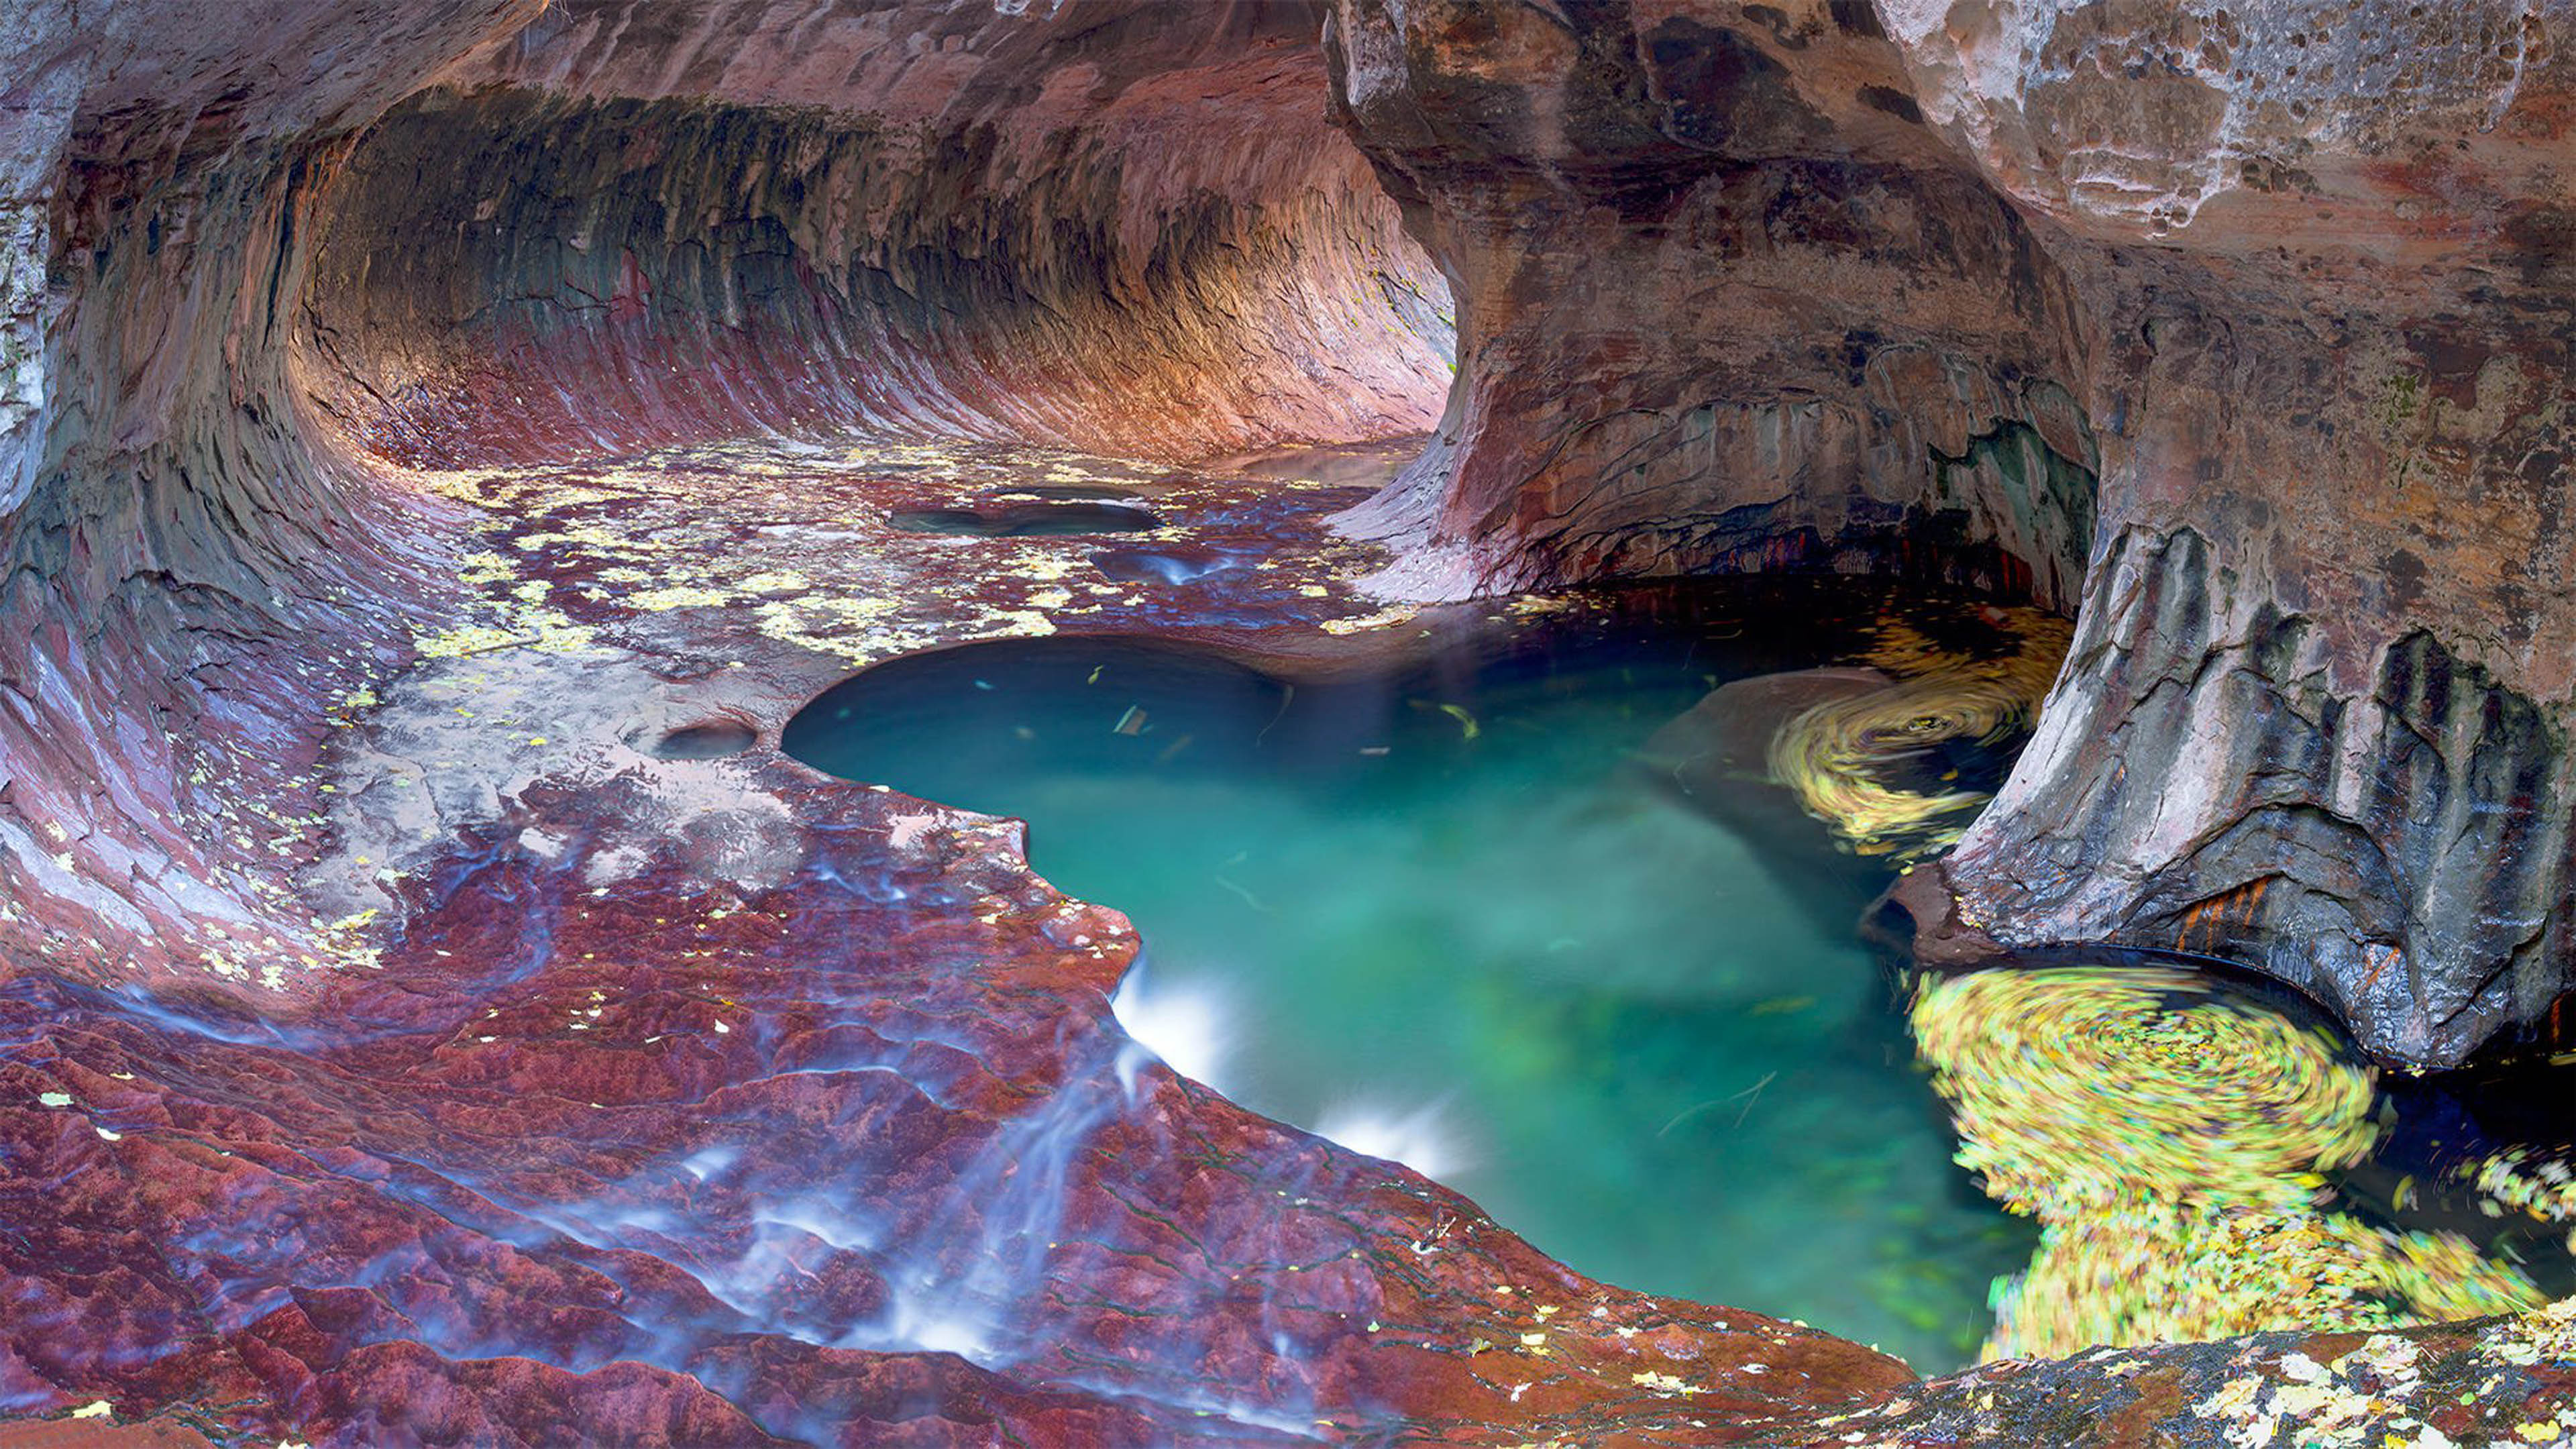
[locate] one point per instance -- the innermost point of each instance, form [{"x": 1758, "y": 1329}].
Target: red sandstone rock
[{"x": 707, "y": 1101}]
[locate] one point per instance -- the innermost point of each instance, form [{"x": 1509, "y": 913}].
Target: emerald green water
[{"x": 1440, "y": 911}]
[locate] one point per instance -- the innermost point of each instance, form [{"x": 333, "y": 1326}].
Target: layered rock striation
[
  {"x": 2244, "y": 328},
  {"x": 239, "y": 295},
  {"x": 432, "y": 1010},
  {"x": 630, "y": 224},
  {"x": 187, "y": 580},
  {"x": 338, "y": 1103}
]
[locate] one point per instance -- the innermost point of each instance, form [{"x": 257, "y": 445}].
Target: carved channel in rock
[
  {"x": 510, "y": 275},
  {"x": 396, "y": 1045}
]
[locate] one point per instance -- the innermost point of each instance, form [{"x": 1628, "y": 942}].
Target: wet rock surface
[
  {"x": 333, "y": 801},
  {"x": 707, "y": 1165},
  {"x": 702, "y": 1100}
]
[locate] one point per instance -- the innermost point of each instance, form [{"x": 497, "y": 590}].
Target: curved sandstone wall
[
  {"x": 186, "y": 584},
  {"x": 632, "y": 225},
  {"x": 2330, "y": 245},
  {"x": 237, "y": 283},
  {"x": 2247, "y": 324},
  {"x": 1723, "y": 304}
]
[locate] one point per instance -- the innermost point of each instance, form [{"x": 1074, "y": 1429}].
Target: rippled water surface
[{"x": 1511, "y": 912}]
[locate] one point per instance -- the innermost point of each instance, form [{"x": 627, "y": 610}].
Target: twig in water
[
  {"x": 1249, "y": 898},
  {"x": 1285, "y": 698},
  {"x": 1749, "y": 1096}
]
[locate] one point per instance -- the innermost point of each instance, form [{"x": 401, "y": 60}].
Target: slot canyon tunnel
[{"x": 443, "y": 443}]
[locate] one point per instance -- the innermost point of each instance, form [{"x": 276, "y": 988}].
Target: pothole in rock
[
  {"x": 1028, "y": 520},
  {"x": 1542, "y": 907},
  {"x": 1076, "y": 492},
  {"x": 1168, "y": 565},
  {"x": 1443, "y": 908},
  {"x": 711, "y": 739}
]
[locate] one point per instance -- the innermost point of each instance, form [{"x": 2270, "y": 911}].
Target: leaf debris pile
[
  {"x": 2170, "y": 1143},
  {"x": 1849, "y": 760}
]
